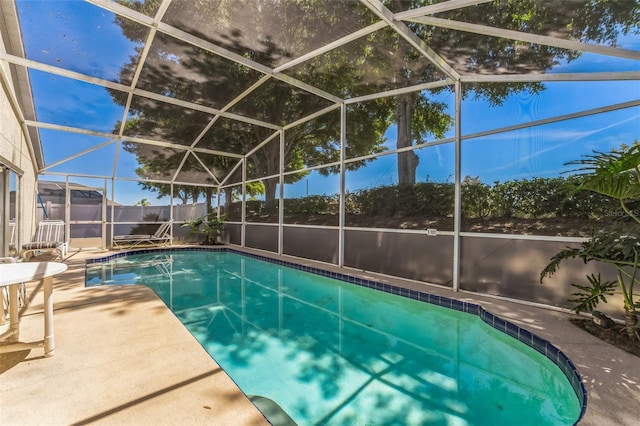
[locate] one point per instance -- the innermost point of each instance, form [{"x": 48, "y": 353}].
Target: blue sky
[{"x": 57, "y": 36}]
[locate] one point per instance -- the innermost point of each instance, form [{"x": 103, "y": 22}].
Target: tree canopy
[
  {"x": 274, "y": 33},
  {"x": 177, "y": 69}
]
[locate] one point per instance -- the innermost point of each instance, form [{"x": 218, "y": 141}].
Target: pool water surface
[{"x": 328, "y": 352}]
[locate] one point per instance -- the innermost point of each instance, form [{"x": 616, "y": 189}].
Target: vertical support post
[
  {"x": 5, "y": 190},
  {"x": 113, "y": 211},
  {"x": 457, "y": 215},
  {"x": 103, "y": 224},
  {"x": 343, "y": 138},
  {"x": 34, "y": 211},
  {"x": 171, "y": 215},
  {"x": 113, "y": 186},
  {"x": 67, "y": 213},
  {"x": 5, "y": 234},
  {"x": 243, "y": 214},
  {"x": 281, "y": 195},
  {"x": 19, "y": 209},
  {"x": 224, "y": 238}
]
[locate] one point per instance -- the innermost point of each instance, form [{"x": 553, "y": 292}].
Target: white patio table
[{"x": 12, "y": 275}]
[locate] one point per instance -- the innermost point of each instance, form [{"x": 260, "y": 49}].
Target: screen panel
[
  {"x": 414, "y": 256},
  {"x": 312, "y": 198},
  {"x": 511, "y": 268},
  {"x": 376, "y": 199},
  {"x": 324, "y": 249},
  {"x": 262, "y": 237},
  {"x": 516, "y": 182}
]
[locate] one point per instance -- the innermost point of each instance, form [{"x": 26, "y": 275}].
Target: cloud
[{"x": 568, "y": 136}]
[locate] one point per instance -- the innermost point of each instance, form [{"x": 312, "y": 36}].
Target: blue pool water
[{"x": 334, "y": 353}]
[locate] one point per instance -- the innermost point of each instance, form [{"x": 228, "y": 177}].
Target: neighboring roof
[{"x": 55, "y": 192}]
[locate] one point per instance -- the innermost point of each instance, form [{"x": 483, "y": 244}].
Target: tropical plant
[
  {"x": 615, "y": 175},
  {"x": 210, "y": 225}
]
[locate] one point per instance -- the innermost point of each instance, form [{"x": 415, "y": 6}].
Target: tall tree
[
  {"x": 415, "y": 116},
  {"x": 269, "y": 33}
]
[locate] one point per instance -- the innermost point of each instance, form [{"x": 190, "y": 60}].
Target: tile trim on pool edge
[{"x": 541, "y": 345}]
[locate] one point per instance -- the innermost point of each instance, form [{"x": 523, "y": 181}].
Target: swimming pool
[{"x": 326, "y": 351}]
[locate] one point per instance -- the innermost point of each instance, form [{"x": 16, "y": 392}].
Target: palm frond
[
  {"x": 554, "y": 263},
  {"x": 621, "y": 161},
  {"x": 594, "y": 293},
  {"x": 620, "y": 186},
  {"x": 614, "y": 174}
]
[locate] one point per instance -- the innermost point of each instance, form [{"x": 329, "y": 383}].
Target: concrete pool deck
[{"x": 122, "y": 358}]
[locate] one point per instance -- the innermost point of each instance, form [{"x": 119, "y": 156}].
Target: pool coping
[{"x": 523, "y": 335}]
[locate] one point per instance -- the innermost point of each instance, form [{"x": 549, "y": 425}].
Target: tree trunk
[
  {"x": 270, "y": 186},
  {"x": 228, "y": 203},
  {"x": 631, "y": 324},
  {"x": 195, "y": 195},
  {"x": 207, "y": 199},
  {"x": 408, "y": 160},
  {"x": 267, "y": 163}
]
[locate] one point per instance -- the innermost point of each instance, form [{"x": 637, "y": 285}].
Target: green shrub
[
  {"x": 312, "y": 204},
  {"x": 520, "y": 198},
  {"x": 476, "y": 198},
  {"x": 423, "y": 199}
]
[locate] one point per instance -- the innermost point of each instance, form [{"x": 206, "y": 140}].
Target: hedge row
[{"x": 526, "y": 198}]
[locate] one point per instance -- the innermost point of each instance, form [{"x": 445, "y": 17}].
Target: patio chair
[
  {"x": 49, "y": 237},
  {"x": 161, "y": 236}
]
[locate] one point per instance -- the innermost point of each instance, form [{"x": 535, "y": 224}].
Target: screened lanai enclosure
[{"x": 420, "y": 139}]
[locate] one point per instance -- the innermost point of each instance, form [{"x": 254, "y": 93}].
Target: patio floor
[{"x": 122, "y": 357}]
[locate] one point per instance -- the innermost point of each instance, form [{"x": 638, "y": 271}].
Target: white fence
[{"x": 125, "y": 218}]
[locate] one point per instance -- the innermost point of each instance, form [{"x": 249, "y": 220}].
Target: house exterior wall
[{"x": 15, "y": 149}]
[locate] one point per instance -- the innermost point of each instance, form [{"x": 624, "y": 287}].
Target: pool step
[{"x": 272, "y": 411}]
